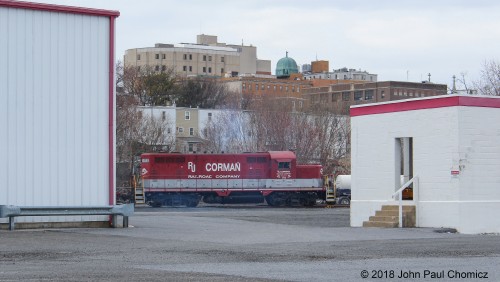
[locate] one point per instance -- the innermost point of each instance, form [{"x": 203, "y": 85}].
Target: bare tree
[
  {"x": 228, "y": 132},
  {"x": 153, "y": 133},
  {"x": 201, "y": 92},
  {"x": 153, "y": 87},
  {"x": 489, "y": 82},
  {"x": 128, "y": 121},
  {"x": 317, "y": 136}
]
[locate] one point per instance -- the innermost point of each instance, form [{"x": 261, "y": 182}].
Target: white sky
[{"x": 397, "y": 39}]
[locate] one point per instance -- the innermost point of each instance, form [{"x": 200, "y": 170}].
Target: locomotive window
[
  {"x": 170, "y": 159},
  {"x": 284, "y": 165},
  {"x": 256, "y": 160}
]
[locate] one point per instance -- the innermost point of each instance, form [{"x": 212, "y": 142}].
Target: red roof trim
[
  {"x": 58, "y": 8},
  {"x": 421, "y": 104}
]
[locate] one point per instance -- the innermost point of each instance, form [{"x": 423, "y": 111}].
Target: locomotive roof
[
  {"x": 272, "y": 154},
  {"x": 282, "y": 155}
]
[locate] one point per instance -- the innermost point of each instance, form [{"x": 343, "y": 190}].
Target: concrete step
[
  {"x": 383, "y": 224},
  {"x": 396, "y": 208},
  {"x": 385, "y": 218},
  {"x": 387, "y": 213},
  {"x": 388, "y": 217}
]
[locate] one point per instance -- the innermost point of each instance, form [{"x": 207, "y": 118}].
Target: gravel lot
[{"x": 245, "y": 243}]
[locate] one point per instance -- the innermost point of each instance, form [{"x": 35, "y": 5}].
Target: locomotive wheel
[
  {"x": 345, "y": 201},
  {"x": 276, "y": 199}
]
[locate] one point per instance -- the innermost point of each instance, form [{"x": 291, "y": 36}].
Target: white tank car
[{"x": 343, "y": 182}]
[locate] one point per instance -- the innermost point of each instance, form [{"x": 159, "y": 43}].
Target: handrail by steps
[{"x": 399, "y": 192}]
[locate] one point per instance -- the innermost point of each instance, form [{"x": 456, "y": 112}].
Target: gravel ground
[{"x": 246, "y": 243}]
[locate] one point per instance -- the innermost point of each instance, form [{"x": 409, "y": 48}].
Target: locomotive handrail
[
  {"x": 11, "y": 212},
  {"x": 399, "y": 193}
]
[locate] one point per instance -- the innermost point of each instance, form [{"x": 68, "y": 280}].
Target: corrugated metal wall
[{"x": 54, "y": 97}]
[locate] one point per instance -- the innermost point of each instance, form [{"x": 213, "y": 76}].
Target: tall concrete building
[{"x": 206, "y": 57}]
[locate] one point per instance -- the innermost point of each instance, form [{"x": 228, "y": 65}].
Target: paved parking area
[{"x": 246, "y": 243}]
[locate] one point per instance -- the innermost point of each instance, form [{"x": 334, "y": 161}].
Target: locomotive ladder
[
  {"x": 138, "y": 192},
  {"x": 330, "y": 191}
]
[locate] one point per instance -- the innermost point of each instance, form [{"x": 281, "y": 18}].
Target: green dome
[{"x": 285, "y": 67}]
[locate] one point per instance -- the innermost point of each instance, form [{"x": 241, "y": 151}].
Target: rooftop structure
[
  {"x": 206, "y": 57},
  {"x": 285, "y": 67}
]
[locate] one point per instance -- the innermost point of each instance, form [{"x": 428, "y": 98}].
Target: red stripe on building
[{"x": 421, "y": 104}]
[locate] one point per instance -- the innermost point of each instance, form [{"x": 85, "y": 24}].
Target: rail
[
  {"x": 399, "y": 192},
  {"x": 14, "y": 211}
]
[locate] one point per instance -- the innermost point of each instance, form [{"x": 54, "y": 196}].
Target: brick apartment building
[{"x": 340, "y": 97}]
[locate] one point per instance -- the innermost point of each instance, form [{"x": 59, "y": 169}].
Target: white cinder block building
[
  {"x": 57, "y": 110},
  {"x": 454, "y": 149}
]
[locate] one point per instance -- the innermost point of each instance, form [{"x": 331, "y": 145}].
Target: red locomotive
[{"x": 185, "y": 179}]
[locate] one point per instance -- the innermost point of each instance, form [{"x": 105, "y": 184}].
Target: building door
[{"x": 403, "y": 164}]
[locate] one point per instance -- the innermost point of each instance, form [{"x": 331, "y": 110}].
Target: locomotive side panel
[{"x": 222, "y": 177}]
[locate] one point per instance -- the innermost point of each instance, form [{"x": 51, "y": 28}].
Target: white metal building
[
  {"x": 454, "y": 152},
  {"x": 57, "y": 109}
]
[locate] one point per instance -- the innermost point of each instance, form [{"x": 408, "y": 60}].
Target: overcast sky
[{"x": 398, "y": 40}]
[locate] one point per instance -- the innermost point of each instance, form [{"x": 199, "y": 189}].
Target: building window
[
  {"x": 180, "y": 129},
  {"x": 190, "y": 56},
  {"x": 346, "y": 96},
  {"x": 185, "y": 56},
  {"x": 368, "y": 94},
  {"x": 358, "y": 95},
  {"x": 190, "y": 147},
  {"x": 138, "y": 57},
  {"x": 382, "y": 94},
  {"x": 157, "y": 56},
  {"x": 163, "y": 68},
  {"x": 187, "y": 115},
  {"x": 204, "y": 57},
  {"x": 138, "y": 68},
  {"x": 262, "y": 87},
  {"x": 209, "y": 69},
  {"x": 286, "y": 89},
  {"x": 281, "y": 87},
  {"x": 256, "y": 86},
  {"x": 184, "y": 68},
  {"x": 293, "y": 88},
  {"x": 163, "y": 56},
  {"x": 274, "y": 87},
  {"x": 221, "y": 70},
  {"x": 157, "y": 68},
  {"x": 209, "y": 58},
  {"x": 191, "y": 131},
  {"x": 209, "y": 116},
  {"x": 163, "y": 115},
  {"x": 268, "y": 87},
  {"x": 190, "y": 68},
  {"x": 169, "y": 130},
  {"x": 222, "y": 59},
  {"x": 249, "y": 86},
  {"x": 204, "y": 69},
  {"x": 244, "y": 86}
]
